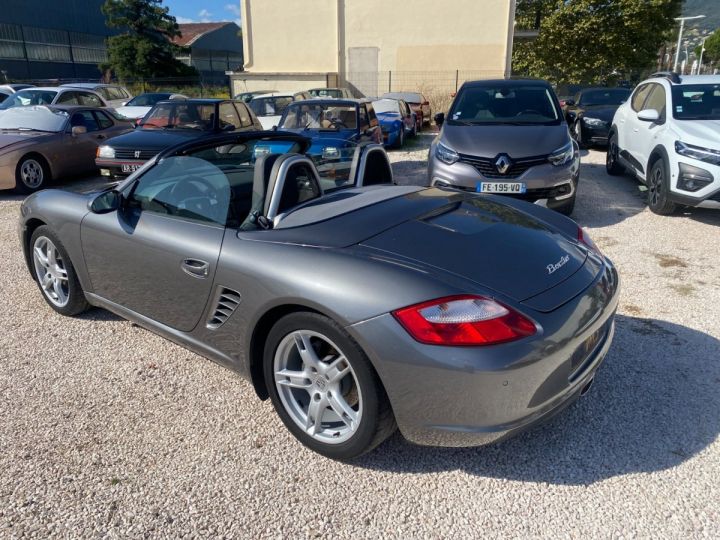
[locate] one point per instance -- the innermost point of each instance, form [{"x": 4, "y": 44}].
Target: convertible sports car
[{"x": 462, "y": 318}]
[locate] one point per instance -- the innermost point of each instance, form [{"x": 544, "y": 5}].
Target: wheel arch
[
  {"x": 35, "y": 154},
  {"x": 31, "y": 225},
  {"x": 659, "y": 152}
]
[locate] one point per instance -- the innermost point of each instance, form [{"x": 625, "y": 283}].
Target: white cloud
[
  {"x": 204, "y": 15},
  {"x": 233, "y": 8},
  {"x": 184, "y": 20}
]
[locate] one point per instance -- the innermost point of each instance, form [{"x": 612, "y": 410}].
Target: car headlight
[
  {"x": 593, "y": 122},
  {"x": 445, "y": 154},
  {"x": 330, "y": 152},
  {"x": 708, "y": 155},
  {"x": 106, "y": 152},
  {"x": 562, "y": 155}
]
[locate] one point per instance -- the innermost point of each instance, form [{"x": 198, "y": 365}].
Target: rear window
[
  {"x": 505, "y": 104},
  {"x": 270, "y": 106}
]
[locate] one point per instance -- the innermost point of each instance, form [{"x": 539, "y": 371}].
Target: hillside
[{"x": 709, "y": 8}]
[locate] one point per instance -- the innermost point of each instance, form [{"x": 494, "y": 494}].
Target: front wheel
[
  {"x": 659, "y": 190},
  {"x": 612, "y": 158},
  {"x": 578, "y": 134},
  {"x": 324, "y": 388}
]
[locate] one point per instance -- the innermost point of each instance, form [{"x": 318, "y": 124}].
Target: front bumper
[
  {"x": 390, "y": 138},
  {"x": 708, "y": 196},
  {"x": 596, "y": 133},
  {"x": 469, "y": 396},
  {"x": 115, "y": 166}
]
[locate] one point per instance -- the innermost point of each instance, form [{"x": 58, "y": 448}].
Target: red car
[{"x": 418, "y": 103}]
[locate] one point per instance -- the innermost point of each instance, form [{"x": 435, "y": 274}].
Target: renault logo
[
  {"x": 503, "y": 163},
  {"x": 137, "y": 155}
]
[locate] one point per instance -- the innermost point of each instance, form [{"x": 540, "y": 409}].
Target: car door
[
  {"x": 78, "y": 153},
  {"x": 370, "y": 126},
  {"x": 647, "y": 132},
  {"x": 631, "y": 126},
  {"x": 157, "y": 255}
]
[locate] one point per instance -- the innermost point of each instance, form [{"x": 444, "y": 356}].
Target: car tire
[
  {"x": 401, "y": 138},
  {"x": 299, "y": 352},
  {"x": 421, "y": 122},
  {"x": 31, "y": 174},
  {"x": 578, "y": 133},
  {"x": 659, "y": 188},
  {"x": 612, "y": 158},
  {"x": 414, "y": 131},
  {"x": 55, "y": 274}
]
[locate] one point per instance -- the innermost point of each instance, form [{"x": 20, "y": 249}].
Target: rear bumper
[{"x": 478, "y": 395}]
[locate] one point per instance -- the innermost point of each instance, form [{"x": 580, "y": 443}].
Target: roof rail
[{"x": 669, "y": 75}]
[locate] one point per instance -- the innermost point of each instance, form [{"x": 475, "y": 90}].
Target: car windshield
[
  {"x": 604, "y": 96},
  {"x": 23, "y": 98},
  {"x": 270, "y": 106},
  {"x": 321, "y": 116},
  {"x": 326, "y": 92},
  {"x": 506, "y": 104},
  {"x": 34, "y": 119},
  {"x": 386, "y": 106},
  {"x": 181, "y": 115},
  {"x": 147, "y": 100},
  {"x": 696, "y": 101},
  {"x": 410, "y": 97}
]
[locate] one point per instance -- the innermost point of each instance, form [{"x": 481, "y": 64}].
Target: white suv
[{"x": 668, "y": 135}]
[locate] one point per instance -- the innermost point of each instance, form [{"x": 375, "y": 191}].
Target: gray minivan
[{"x": 507, "y": 137}]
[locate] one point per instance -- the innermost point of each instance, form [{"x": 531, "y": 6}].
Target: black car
[
  {"x": 169, "y": 123},
  {"x": 590, "y": 112}
]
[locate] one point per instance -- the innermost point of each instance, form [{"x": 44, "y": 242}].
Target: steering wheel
[
  {"x": 337, "y": 122},
  {"x": 193, "y": 187},
  {"x": 528, "y": 111}
]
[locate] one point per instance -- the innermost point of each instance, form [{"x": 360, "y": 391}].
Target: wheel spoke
[
  {"x": 341, "y": 407},
  {"x": 293, "y": 379},
  {"x": 305, "y": 348},
  {"x": 47, "y": 280},
  {"x": 316, "y": 409},
  {"x": 337, "y": 370},
  {"x": 51, "y": 256},
  {"x": 41, "y": 257},
  {"x": 57, "y": 287}
]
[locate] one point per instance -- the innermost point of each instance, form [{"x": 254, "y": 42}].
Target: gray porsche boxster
[{"x": 354, "y": 304}]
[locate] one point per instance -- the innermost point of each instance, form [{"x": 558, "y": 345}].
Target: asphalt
[{"x": 109, "y": 431}]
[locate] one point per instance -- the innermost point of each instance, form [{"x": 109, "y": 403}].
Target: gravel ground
[{"x": 110, "y": 431}]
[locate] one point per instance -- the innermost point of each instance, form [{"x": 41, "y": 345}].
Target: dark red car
[{"x": 418, "y": 103}]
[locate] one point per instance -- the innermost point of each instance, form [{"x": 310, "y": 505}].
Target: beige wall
[
  {"x": 290, "y": 35},
  {"x": 282, "y": 82}
]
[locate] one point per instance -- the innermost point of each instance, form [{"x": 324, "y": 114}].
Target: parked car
[
  {"x": 42, "y": 143},
  {"x": 269, "y": 107},
  {"x": 590, "y": 112},
  {"x": 114, "y": 95},
  {"x": 140, "y": 105},
  {"x": 169, "y": 123},
  {"x": 461, "y": 318},
  {"x": 334, "y": 125},
  {"x": 247, "y": 96},
  {"x": 335, "y": 93},
  {"x": 507, "y": 137},
  {"x": 53, "y": 96},
  {"x": 6, "y": 90},
  {"x": 418, "y": 103},
  {"x": 396, "y": 120},
  {"x": 668, "y": 135}
]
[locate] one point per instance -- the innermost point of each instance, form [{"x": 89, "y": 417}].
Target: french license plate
[
  {"x": 130, "y": 168},
  {"x": 501, "y": 187}
]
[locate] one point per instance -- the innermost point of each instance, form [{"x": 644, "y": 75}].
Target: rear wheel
[
  {"x": 612, "y": 163},
  {"x": 659, "y": 189},
  {"x": 324, "y": 388},
  {"x": 401, "y": 137},
  {"x": 414, "y": 131},
  {"x": 31, "y": 174}
]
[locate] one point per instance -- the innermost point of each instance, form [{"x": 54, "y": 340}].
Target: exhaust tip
[{"x": 586, "y": 388}]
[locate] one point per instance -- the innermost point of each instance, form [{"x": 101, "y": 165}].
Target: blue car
[{"x": 397, "y": 121}]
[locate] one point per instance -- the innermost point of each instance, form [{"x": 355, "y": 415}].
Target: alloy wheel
[
  {"x": 611, "y": 155},
  {"x": 50, "y": 271},
  {"x": 317, "y": 386},
  {"x": 656, "y": 186},
  {"x": 31, "y": 173}
]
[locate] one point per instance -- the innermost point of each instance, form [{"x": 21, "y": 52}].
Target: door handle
[{"x": 195, "y": 268}]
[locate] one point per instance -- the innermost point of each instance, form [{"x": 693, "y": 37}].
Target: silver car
[
  {"x": 113, "y": 94},
  {"x": 507, "y": 137},
  {"x": 53, "y": 95}
]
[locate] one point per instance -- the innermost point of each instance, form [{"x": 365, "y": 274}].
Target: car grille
[
  {"x": 486, "y": 166},
  {"x": 130, "y": 154}
]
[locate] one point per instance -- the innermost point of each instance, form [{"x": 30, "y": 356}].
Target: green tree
[
  {"x": 590, "y": 41},
  {"x": 144, "y": 49},
  {"x": 712, "y": 48}
]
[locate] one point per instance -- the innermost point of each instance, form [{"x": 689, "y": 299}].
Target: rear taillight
[
  {"x": 464, "y": 321},
  {"x": 584, "y": 238}
]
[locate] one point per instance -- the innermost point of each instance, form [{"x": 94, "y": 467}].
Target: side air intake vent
[{"x": 226, "y": 303}]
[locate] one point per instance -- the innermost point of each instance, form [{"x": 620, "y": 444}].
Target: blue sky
[{"x": 186, "y": 11}]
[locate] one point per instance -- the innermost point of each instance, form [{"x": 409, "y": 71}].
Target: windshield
[
  {"x": 326, "y": 92},
  {"x": 147, "y": 100},
  {"x": 696, "y": 101},
  {"x": 511, "y": 105},
  {"x": 322, "y": 116},
  {"x": 410, "y": 97},
  {"x": 34, "y": 119},
  {"x": 604, "y": 96},
  {"x": 182, "y": 115},
  {"x": 29, "y": 97},
  {"x": 386, "y": 106},
  {"x": 270, "y": 106}
]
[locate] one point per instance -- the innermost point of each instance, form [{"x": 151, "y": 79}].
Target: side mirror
[
  {"x": 78, "y": 130},
  {"x": 569, "y": 102},
  {"x": 439, "y": 118},
  {"x": 648, "y": 115},
  {"x": 105, "y": 202}
]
